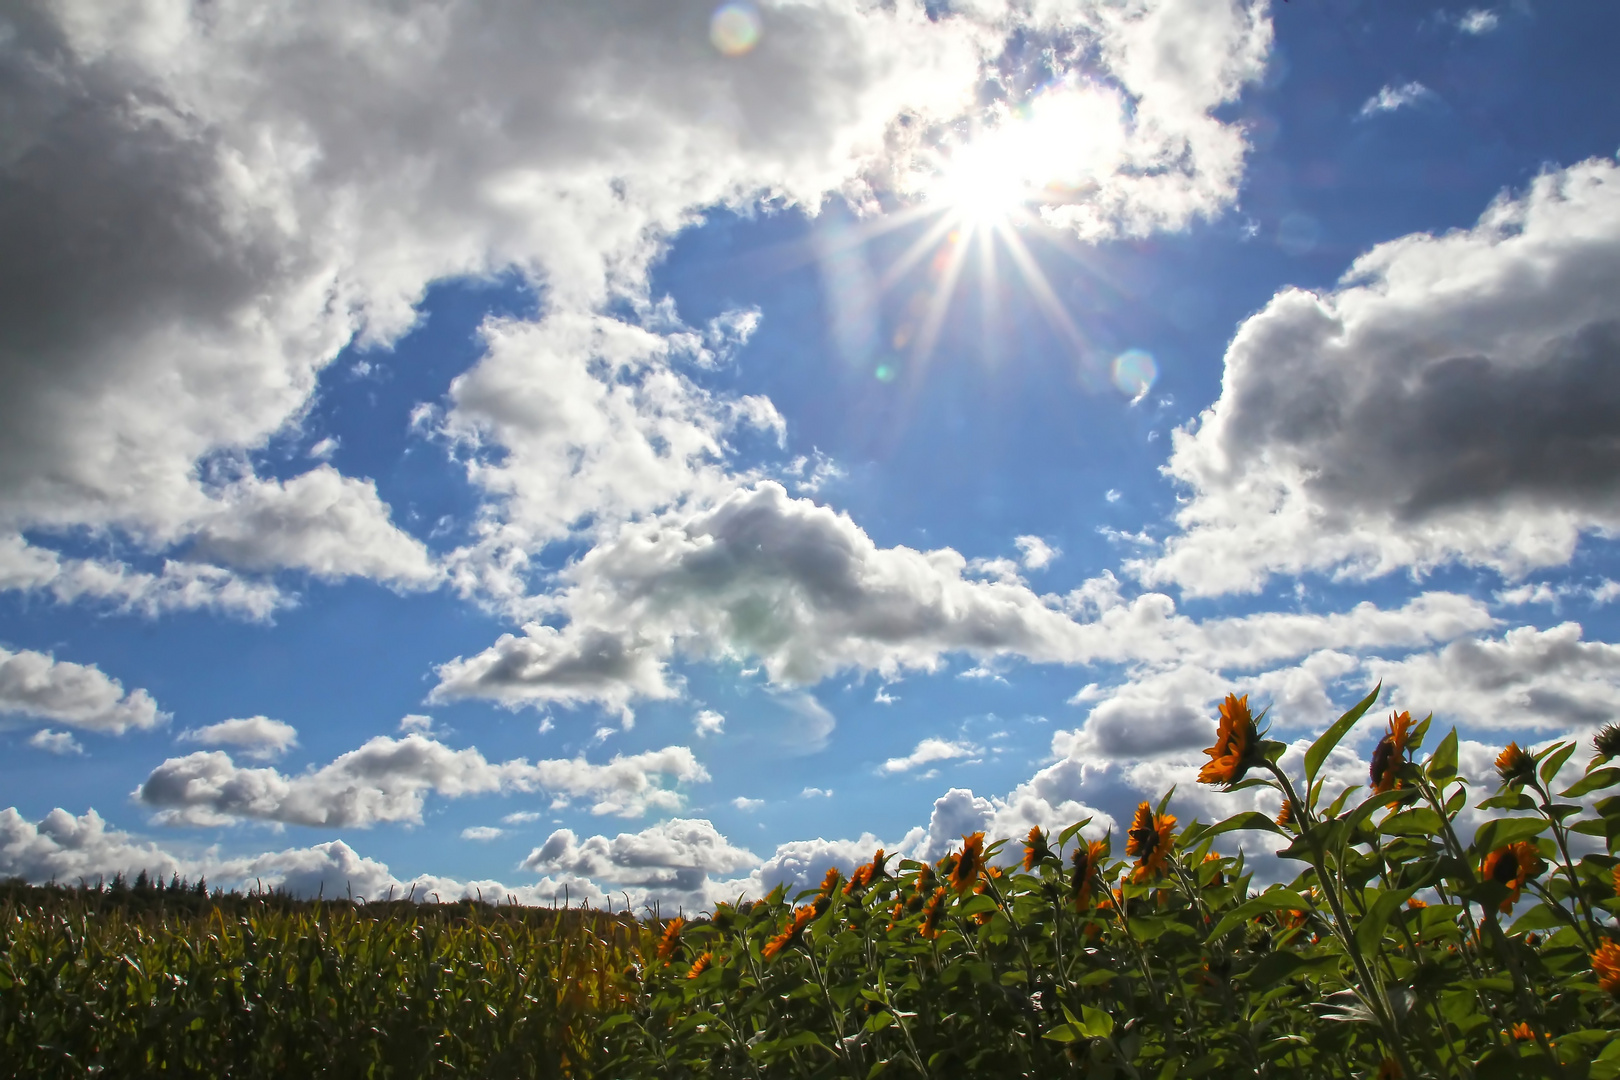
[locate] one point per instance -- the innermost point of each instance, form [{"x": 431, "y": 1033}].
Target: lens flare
[
  {"x": 734, "y": 28},
  {"x": 1134, "y": 372}
]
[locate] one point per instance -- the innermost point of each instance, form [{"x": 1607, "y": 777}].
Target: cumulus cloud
[
  {"x": 763, "y": 576},
  {"x": 482, "y": 833},
  {"x": 55, "y": 742},
  {"x": 1527, "y": 679},
  {"x": 258, "y": 736},
  {"x": 708, "y": 722},
  {"x": 805, "y": 592},
  {"x": 323, "y": 522},
  {"x": 1050, "y": 799},
  {"x": 179, "y": 585},
  {"x": 742, "y": 802},
  {"x": 928, "y": 751},
  {"x": 1392, "y": 97},
  {"x": 1478, "y": 21},
  {"x": 1347, "y": 437},
  {"x": 40, "y": 687},
  {"x": 193, "y": 232},
  {"x": 1035, "y": 553},
  {"x": 388, "y": 780},
  {"x": 62, "y": 847},
  {"x": 679, "y": 854}
]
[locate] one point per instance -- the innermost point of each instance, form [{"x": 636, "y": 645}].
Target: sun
[
  {"x": 986, "y": 182},
  {"x": 1025, "y": 175}
]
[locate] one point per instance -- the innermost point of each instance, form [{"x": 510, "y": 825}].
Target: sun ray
[
  {"x": 934, "y": 319},
  {"x": 1045, "y": 296}
]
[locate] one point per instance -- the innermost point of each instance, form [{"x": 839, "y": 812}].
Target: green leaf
[
  {"x": 1277, "y": 966},
  {"x": 1596, "y": 780},
  {"x": 1414, "y": 738},
  {"x": 1164, "y": 802},
  {"x": 1500, "y": 832},
  {"x": 1370, "y": 931},
  {"x": 1278, "y": 899},
  {"x": 1249, "y": 819},
  {"x": 1063, "y": 1033},
  {"x": 1508, "y": 800},
  {"x": 1068, "y": 834},
  {"x": 1095, "y": 1023},
  {"x": 1325, "y": 743},
  {"x": 1338, "y": 804},
  {"x": 879, "y": 1021},
  {"x": 1418, "y": 821},
  {"x": 1554, "y": 760},
  {"x": 1443, "y": 762}
]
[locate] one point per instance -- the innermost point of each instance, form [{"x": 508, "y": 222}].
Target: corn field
[{"x": 1400, "y": 948}]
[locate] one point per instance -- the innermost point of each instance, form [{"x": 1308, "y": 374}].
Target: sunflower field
[{"x": 1403, "y": 946}]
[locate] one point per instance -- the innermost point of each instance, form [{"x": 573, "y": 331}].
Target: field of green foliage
[{"x": 1402, "y": 948}]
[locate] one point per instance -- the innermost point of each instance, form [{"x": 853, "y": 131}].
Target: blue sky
[{"x": 661, "y": 451}]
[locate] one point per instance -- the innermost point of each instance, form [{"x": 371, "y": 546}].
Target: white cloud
[
  {"x": 1554, "y": 594},
  {"x": 259, "y": 736},
  {"x": 325, "y": 448},
  {"x": 1528, "y": 678},
  {"x": 417, "y": 723},
  {"x": 1050, "y": 799},
  {"x": 328, "y": 524},
  {"x": 816, "y": 793},
  {"x": 1478, "y": 21},
  {"x": 678, "y": 855},
  {"x": 1392, "y": 97},
  {"x": 1346, "y": 440},
  {"x": 521, "y": 817},
  {"x": 482, "y": 833},
  {"x": 55, "y": 742},
  {"x": 65, "y": 848},
  {"x": 387, "y": 780},
  {"x": 807, "y": 593},
  {"x": 931, "y": 750},
  {"x": 761, "y": 575},
  {"x": 708, "y": 722},
  {"x": 178, "y": 586},
  {"x": 746, "y": 804},
  {"x": 239, "y": 231},
  {"x": 38, "y": 686},
  {"x": 1035, "y": 553}
]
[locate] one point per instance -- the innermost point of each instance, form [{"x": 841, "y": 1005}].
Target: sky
[{"x": 643, "y": 452}]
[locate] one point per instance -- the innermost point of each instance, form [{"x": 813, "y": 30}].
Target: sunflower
[
  {"x": 1606, "y": 966},
  {"x": 1607, "y": 741},
  {"x": 1237, "y": 744},
  {"x": 699, "y": 966},
  {"x": 1513, "y": 866},
  {"x": 790, "y": 932},
  {"x": 922, "y": 889},
  {"x": 1387, "y": 755},
  {"x": 1149, "y": 841},
  {"x": 671, "y": 941},
  {"x": 829, "y": 885},
  {"x": 1035, "y": 849},
  {"x": 1514, "y": 765},
  {"x": 1523, "y": 1032},
  {"x": 931, "y": 913},
  {"x": 1086, "y": 858},
  {"x": 1285, "y": 816},
  {"x": 969, "y": 863}
]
